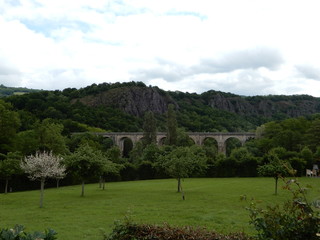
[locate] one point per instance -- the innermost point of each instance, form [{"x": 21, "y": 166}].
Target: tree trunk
[
  {"x": 58, "y": 181},
  {"x": 179, "y": 184},
  {"x": 103, "y": 184},
  {"x": 182, "y": 192},
  {"x": 82, "y": 189},
  {"x": 41, "y": 192},
  {"x": 276, "y": 186},
  {"x": 6, "y": 187}
]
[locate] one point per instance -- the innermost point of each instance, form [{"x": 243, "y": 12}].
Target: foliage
[
  {"x": 85, "y": 163},
  {"x": 183, "y": 162},
  {"x": 149, "y": 128},
  {"x": 9, "y": 124},
  {"x": 171, "y": 126},
  {"x": 9, "y": 167},
  {"x": 50, "y": 137},
  {"x": 296, "y": 219},
  {"x": 18, "y": 233},
  {"x": 275, "y": 168},
  {"x": 130, "y": 230},
  {"x": 109, "y": 168}
]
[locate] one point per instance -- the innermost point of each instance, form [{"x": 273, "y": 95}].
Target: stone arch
[
  {"x": 211, "y": 142},
  {"x": 139, "y": 138},
  {"x": 161, "y": 140},
  {"x": 194, "y": 141},
  {"x": 126, "y": 145},
  {"x": 231, "y": 143},
  {"x": 108, "y": 142}
]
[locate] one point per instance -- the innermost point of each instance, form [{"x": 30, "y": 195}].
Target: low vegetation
[{"x": 129, "y": 230}]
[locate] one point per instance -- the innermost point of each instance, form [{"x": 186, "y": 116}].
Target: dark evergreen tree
[
  {"x": 171, "y": 126},
  {"x": 149, "y": 128}
]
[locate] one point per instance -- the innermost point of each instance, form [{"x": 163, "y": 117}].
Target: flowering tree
[{"x": 41, "y": 166}]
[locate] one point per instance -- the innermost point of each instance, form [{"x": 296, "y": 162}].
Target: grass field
[{"x": 213, "y": 203}]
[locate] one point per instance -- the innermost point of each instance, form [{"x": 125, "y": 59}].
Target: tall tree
[
  {"x": 85, "y": 163},
  {"x": 50, "y": 137},
  {"x": 314, "y": 134},
  {"x": 171, "y": 126},
  {"x": 149, "y": 128},
  {"x": 41, "y": 166},
  {"x": 9, "y": 124}
]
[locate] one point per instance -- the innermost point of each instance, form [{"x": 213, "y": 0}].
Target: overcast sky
[{"x": 246, "y": 47}]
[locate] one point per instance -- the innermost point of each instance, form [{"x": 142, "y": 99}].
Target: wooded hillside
[{"x": 120, "y": 107}]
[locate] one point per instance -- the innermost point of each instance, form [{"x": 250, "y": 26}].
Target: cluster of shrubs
[
  {"x": 18, "y": 233},
  {"x": 130, "y": 231}
]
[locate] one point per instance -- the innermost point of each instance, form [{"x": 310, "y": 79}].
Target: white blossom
[{"x": 43, "y": 165}]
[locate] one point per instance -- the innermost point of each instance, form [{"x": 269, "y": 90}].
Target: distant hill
[
  {"x": 121, "y": 107},
  {"x": 240, "y": 112},
  {"x": 8, "y": 91}
]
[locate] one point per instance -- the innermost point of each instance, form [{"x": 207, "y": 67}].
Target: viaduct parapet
[{"x": 198, "y": 137}]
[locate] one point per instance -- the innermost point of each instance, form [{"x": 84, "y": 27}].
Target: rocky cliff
[
  {"x": 136, "y": 101},
  {"x": 133, "y": 100},
  {"x": 267, "y": 106}
]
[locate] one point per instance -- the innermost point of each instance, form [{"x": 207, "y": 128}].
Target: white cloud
[{"x": 247, "y": 47}]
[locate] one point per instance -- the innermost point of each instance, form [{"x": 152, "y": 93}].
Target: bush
[
  {"x": 18, "y": 233},
  {"x": 297, "y": 219},
  {"x": 131, "y": 231}
]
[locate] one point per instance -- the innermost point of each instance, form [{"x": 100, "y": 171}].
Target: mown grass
[{"x": 213, "y": 203}]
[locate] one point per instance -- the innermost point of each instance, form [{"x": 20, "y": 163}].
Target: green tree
[
  {"x": 50, "y": 137},
  {"x": 275, "y": 168},
  {"x": 85, "y": 163},
  {"x": 183, "y": 139},
  {"x": 184, "y": 162},
  {"x": 313, "y": 136},
  {"x": 307, "y": 155},
  {"x": 27, "y": 142},
  {"x": 41, "y": 166},
  {"x": 149, "y": 128},
  {"x": 109, "y": 168},
  {"x": 114, "y": 154},
  {"x": 9, "y": 167},
  {"x": 245, "y": 163},
  {"x": 9, "y": 124},
  {"x": 171, "y": 126},
  {"x": 150, "y": 153}
]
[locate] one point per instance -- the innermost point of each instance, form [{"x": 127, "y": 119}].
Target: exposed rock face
[
  {"x": 263, "y": 106},
  {"x": 137, "y": 100},
  {"x": 132, "y": 100}
]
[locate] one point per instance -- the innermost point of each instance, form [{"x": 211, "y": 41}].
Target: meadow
[{"x": 213, "y": 203}]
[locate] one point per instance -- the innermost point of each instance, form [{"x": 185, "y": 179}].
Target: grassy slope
[{"x": 213, "y": 203}]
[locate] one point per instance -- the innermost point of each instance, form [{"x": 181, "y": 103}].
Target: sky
[{"x": 246, "y": 47}]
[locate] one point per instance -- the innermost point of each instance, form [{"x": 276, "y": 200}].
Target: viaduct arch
[{"x": 198, "y": 137}]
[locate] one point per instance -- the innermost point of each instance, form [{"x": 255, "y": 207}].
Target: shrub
[
  {"x": 297, "y": 219},
  {"x": 131, "y": 231},
  {"x": 18, "y": 233}
]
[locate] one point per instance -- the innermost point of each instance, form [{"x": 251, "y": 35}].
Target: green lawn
[{"x": 210, "y": 202}]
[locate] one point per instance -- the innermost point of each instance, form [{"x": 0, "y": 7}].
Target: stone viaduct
[{"x": 198, "y": 137}]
